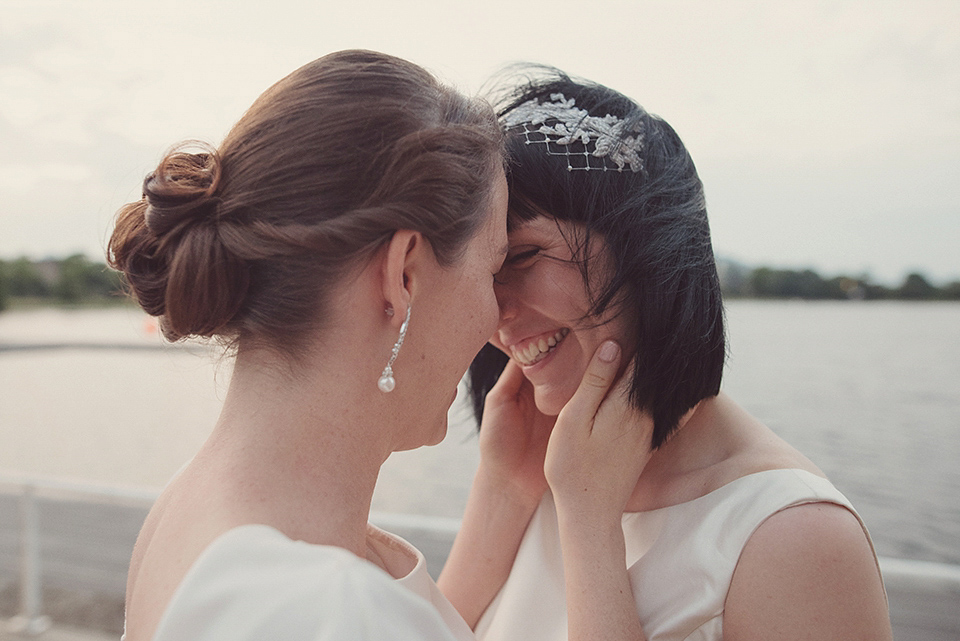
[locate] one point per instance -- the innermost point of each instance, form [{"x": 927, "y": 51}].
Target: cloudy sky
[{"x": 827, "y": 133}]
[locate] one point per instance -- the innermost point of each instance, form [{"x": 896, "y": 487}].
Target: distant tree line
[
  {"x": 76, "y": 280},
  {"x": 738, "y": 281}
]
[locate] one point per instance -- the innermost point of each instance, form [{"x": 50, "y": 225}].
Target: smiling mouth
[{"x": 537, "y": 349}]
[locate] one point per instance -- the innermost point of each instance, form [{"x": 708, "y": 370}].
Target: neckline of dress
[{"x": 726, "y": 487}]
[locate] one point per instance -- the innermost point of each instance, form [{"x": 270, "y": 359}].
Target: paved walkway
[{"x": 57, "y": 633}]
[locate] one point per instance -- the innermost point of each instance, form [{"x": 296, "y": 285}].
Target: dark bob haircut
[{"x": 652, "y": 218}]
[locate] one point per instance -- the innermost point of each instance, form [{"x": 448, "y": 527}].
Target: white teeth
[
  {"x": 536, "y": 350},
  {"x": 531, "y": 352}
]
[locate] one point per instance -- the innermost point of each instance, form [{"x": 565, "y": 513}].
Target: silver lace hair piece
[{"x": 589, "y": 143}]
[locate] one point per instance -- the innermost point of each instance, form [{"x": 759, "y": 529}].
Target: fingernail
[{"x": 608, "y": 351}]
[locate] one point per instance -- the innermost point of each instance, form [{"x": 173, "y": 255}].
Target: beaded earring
[{"x": 387, "y": 382}]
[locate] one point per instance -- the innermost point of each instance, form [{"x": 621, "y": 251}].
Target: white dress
[
  {"x": 255, "y": 584},
  {"x": 680, "y": 560}
]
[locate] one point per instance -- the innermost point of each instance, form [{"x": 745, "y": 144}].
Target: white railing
[
  {"x": 912, "y": 585},
  {"x": 30, "y": 620}
]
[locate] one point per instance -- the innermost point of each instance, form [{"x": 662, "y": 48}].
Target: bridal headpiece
[{"x": 589, "y": 143}]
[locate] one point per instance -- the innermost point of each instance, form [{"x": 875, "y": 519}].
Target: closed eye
[
  {"x": 517, "y": 260},
  {"x": 521, "y": 258}
]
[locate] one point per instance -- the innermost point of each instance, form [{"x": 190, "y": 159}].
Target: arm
[
  {"x": 596, "y": 453},
  {"x": 483, "y": 552},
  {"x": 506, "y": 490},
  {"x": 807, "y": 572}
]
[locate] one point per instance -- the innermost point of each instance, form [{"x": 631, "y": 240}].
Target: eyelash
[
  {"x": 511, "y": 261},
  {"x": 522, "y": 256}
]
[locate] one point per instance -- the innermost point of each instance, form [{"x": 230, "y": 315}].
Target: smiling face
[{"x": 544, "y": 307}]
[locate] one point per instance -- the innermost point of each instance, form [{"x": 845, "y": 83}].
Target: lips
[{"x": 535, "y": 350}]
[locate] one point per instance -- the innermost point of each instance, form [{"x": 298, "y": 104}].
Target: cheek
[
  {"x": 551, "y": 290},
  {"x": 552, "y": 393},
  {"x": 472, "y": 316},
  {"x": 492, "y": 304},
  {"x": 487, "y": 312}
]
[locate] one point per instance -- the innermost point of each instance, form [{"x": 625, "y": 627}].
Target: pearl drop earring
[{"x": 387, "y": 382}]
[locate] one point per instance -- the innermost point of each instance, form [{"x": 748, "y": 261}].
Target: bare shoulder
[
  {"x": 720, "y": 443},
  {"x": 176, "y": 531},
  {"x": 154, "y": 516},
  {"x": 807, "y": 572}
]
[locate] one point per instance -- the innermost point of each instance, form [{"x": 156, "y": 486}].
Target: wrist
[
  {"x": 588, "y": 518},
  {"x": 503, "y": 489},
  {"x": 585, "y": 537}
]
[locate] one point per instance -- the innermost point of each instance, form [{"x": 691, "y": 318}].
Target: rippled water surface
[{"x": 870, "y": 392}]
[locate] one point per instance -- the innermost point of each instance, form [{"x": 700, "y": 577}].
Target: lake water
[{"x": 869, "y": 391}]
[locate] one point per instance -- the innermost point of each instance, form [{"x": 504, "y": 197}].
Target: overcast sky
[{"x": 827, "y": 133}]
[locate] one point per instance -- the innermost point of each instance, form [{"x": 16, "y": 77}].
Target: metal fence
[
  {"x": 28, "y": 492},
  {"x": 924, "y": 596}
]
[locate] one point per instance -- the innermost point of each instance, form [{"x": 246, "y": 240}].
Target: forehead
[{"x": 542, "y": 226}]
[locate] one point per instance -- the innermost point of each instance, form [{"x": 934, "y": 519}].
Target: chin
[
  {"x": 437, "y": 432},
  {"x": 440, "y": 433},
  {"x": 550, "y": 400},
  {"x": 422, "y": 438}
]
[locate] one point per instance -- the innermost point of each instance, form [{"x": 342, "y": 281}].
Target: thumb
[
  {"x": 509, "y": 383},
  {"x": 597, "y": 379}
]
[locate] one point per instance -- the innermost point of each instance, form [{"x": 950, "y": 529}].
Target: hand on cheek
[{"x": 599, "y": 445}]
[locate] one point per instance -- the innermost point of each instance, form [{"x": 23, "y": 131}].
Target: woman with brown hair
[{"x": 342, "y": 242}]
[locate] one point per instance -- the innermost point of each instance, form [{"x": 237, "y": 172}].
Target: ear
[{"x": 401, "y": 266}]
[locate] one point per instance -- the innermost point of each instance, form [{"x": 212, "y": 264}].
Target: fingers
[
  {"x": 509, "y": 383},
  {"x": 597, "y": 379},
  {"x": 616, "y": 404},
  {"x": 618, "y": 418},
  {"x": 508, "y": 387}
]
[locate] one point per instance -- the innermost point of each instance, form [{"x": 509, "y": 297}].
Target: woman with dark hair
[
  {"x": 727, "y": 531},
  {"x": 342, "y": 242}
]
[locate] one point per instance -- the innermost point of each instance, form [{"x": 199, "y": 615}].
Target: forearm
[
  {"x": 600, "y": 601},
  {"x": 483, "y": 552}
]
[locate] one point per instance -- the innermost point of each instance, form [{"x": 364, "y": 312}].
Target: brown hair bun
[{"x": 246, "y": 241}]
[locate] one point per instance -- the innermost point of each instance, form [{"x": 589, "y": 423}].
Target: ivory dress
[
  {"x": 680, "y": 560},
  {"x": 255, "y": 584}
]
